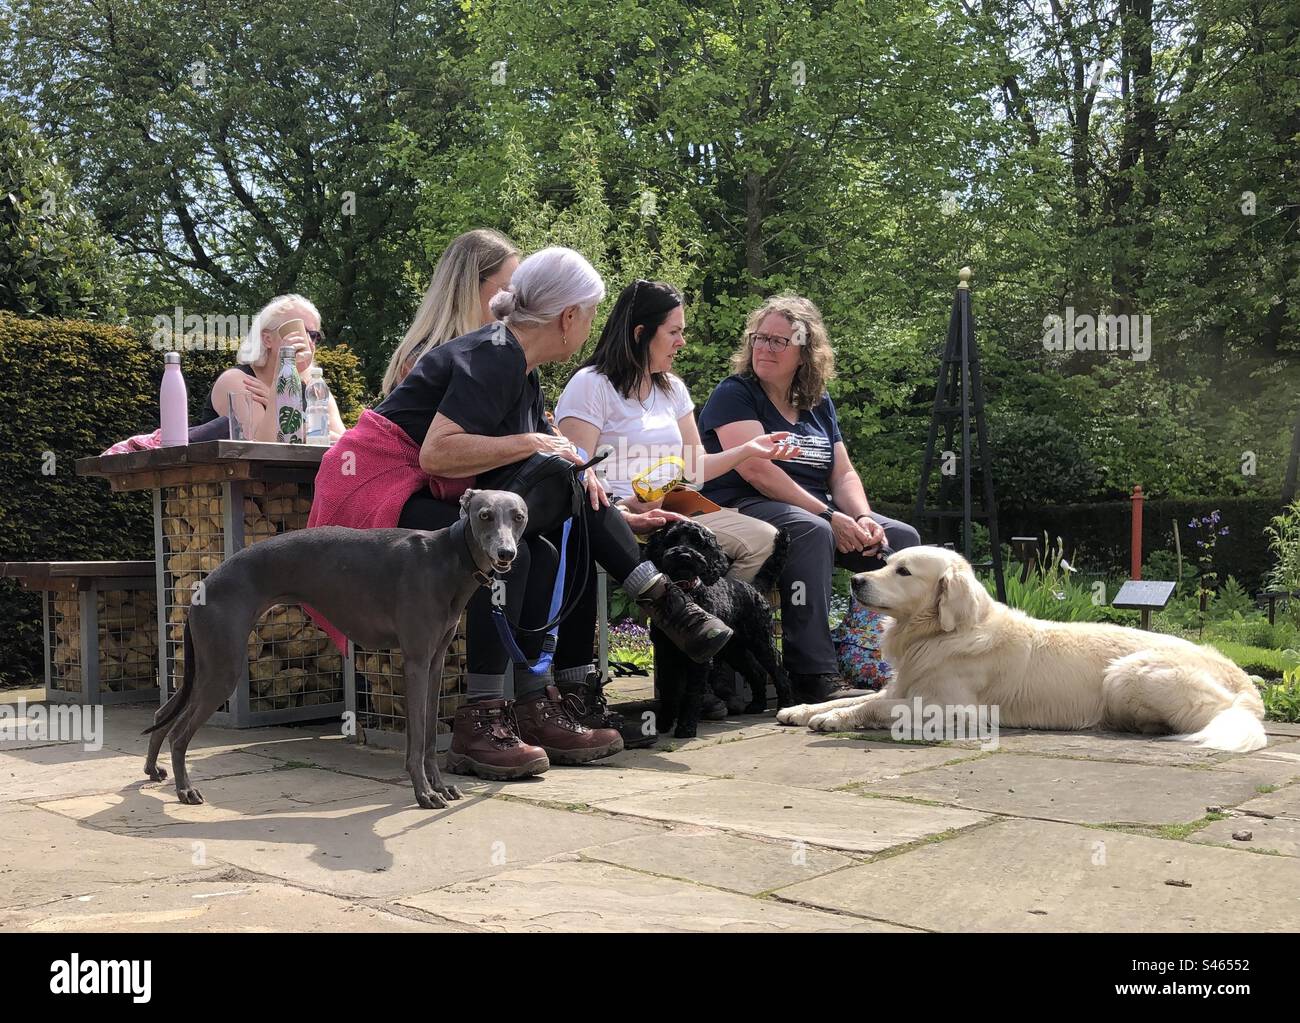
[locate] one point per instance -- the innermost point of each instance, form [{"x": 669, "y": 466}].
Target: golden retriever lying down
[{"x": 951, "y": 644}]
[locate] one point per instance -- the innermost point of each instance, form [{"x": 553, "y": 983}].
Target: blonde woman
[
  {"x": 259, "y": 361},
  {"x": 778, "y": 382},
  {"x": 473, "y": 268}
]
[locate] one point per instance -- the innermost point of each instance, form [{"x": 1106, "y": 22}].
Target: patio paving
[{"x": 749, "y": 827}]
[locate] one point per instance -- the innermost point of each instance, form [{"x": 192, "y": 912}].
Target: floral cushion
[{"x": 857, "y": 643}]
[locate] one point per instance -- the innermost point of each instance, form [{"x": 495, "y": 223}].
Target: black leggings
[{"x": 611, "y": 544}]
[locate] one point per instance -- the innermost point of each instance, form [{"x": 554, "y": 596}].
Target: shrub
[
  {"x": 1282, "y": 699},
  {"x": 70, "y": 388}
]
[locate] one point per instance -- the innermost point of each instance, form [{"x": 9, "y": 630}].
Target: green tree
[{"x": 54, "y": 260}]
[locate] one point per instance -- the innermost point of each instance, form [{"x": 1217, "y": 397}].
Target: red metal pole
[{"x": 1135, "y": 563}]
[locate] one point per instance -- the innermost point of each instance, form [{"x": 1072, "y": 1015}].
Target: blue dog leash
[{"x": 507, "y": 634}]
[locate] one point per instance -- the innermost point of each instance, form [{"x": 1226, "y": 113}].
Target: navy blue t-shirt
[{"x": 741, "y": 397}]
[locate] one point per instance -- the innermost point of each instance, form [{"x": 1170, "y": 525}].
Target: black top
[
  {"x": 209, "y": 411},
  {"x": 741, "y": 397},
  {"x": 480, "y": 381}
]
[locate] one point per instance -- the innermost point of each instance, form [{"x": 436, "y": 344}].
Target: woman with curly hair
[{"x": 779, "y": 379}]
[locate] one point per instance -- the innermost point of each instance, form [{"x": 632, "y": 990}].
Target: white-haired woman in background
[
  {"x": 473, "y": 268},
  {"x": 472, "y": 405},
  {"x": 259, "y": 362}
]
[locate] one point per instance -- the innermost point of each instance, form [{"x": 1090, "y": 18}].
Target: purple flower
[
  {"x": 1192, "y": 524},
  {"x": 1214, "y": 516},
  {"x": 1223, "y": 531}
]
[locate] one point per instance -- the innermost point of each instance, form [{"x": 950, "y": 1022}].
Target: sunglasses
[{"x": 772, "y": 342}]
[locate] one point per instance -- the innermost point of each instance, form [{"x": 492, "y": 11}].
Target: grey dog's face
[
  {"x": 921, "y": 581},
  {"x": 496, "y": 521}
]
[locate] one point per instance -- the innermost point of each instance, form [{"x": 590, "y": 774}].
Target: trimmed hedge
[{"x": 70, "y": 388}]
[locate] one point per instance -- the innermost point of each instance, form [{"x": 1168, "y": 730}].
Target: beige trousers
[{"x": 746, "y": 540}]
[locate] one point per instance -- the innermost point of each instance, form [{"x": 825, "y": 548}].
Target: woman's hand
[
  {"x": 555, "y": 444},
  {"x": 772, "y": 446},
  {"x": 849, "y": 536},
  {"x": 635, "y": 505},
  {"x": 595, "y": 492},
  {"x": 257, "y": 390},
  {"x": 649, "y": 521},
  {"x": 875, "y": 533}
]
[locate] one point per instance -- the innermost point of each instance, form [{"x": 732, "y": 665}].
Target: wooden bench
[{"x": 99, "y": 622}]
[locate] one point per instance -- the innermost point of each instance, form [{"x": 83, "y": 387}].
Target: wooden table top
[{"x": 213, "y": 460}]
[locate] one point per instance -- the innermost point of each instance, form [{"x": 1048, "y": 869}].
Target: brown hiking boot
[
  {"x": 551, "y": 721},
  {"x": 695, "y": 632},
  {"x": 595, "y": 713},
  {"x": 485, "y": 741}
]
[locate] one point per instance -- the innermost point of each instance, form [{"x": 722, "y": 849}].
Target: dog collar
[{"x": 461, "y": 540}]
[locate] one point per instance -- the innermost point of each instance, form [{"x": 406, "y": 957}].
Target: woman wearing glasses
[
  {"x": 779, "y": 383},
  {"x": 259, "y": 361}
]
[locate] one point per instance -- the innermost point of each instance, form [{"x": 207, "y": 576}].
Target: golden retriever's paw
[
  {"x": 831, "y": 721},
  {"x": 799, "y": 715}
]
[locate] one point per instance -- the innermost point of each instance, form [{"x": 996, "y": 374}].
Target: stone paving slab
[
  {"x": 1118, "y": 746},
  {"x": 221, "y": 906},
  {"x": 370, "y": 843},
  {"x": 1044, "y": 876},
  {"x": 1084, "y": 792},
  {"x": 1282, "y": 728},
  {"x": 586, "y": 785},
  {"x": 1284, "y": 802},
  {"x": 153, "y": 805},
  {"x": 718, "y": 859},
  {"x": 1278, "y": 830},
  {"x": 834, "y": 820},
  {"x": 337, "y": 754},
  {"x": 793, "y": 757},
  {"x": 47, "y": 857},
  {"x": 1279, "y": 836},
  {"x": 581, "y": 896},
  {"x": 47, "y": 772}
]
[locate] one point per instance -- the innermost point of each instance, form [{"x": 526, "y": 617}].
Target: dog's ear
[
  {"x": 465, "y": 499},
  {"x": 962, "y": 598},
  {"x": 716, "y": 561}
]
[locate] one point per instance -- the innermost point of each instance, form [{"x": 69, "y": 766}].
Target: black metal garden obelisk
[{"x": 959, "y": 404}]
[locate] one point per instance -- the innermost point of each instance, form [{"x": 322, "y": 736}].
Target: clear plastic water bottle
[
  {"x": 173, "y": 404},
  {"x": 318, "y": 407},
  {"x": 288, "y": 400}
]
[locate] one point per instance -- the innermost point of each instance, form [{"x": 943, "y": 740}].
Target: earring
[{"x": 564, "y": 338}]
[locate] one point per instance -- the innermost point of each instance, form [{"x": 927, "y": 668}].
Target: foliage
[
  {"x": 1258, "y": 660},
  {"x": 241, "y": 156},
  {"x": 630, "y": 642},
  {"x": 1051, "y": 590},
  {"x": 70, "y": 388},
  {"x": 1282, "y": 699},
  {"x": 1284, "y": 541},
  {"x": 54, "y": 260}
]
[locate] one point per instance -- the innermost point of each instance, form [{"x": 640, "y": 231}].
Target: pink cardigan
[{"x": 364, "y": 480}]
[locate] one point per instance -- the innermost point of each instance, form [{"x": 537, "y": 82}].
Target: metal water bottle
[
  {"x": 173, "y": 403},
  {"x": 289, "y": 425}
]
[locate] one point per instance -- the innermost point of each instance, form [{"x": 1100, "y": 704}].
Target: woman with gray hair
[{"x": 473, "y": 405}]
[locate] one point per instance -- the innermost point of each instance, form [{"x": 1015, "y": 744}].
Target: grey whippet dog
[{"x": 385, "y": 589}]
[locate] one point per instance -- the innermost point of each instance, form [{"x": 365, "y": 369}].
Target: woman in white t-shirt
[{"x": 626, "y": 398}]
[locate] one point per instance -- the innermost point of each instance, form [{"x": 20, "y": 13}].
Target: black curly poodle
[{"x": 689, "y": 555}]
